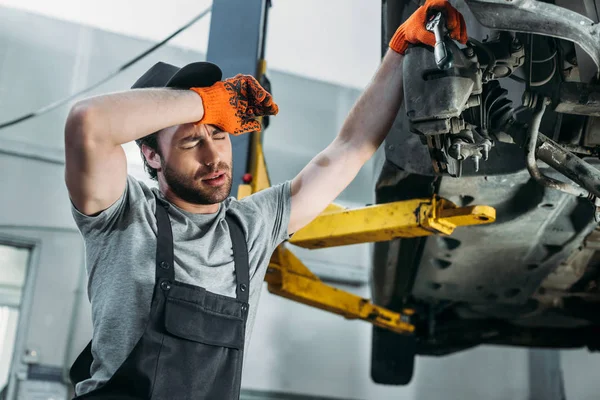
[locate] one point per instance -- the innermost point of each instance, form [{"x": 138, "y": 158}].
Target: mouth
[{"x": 216, "y": 179}]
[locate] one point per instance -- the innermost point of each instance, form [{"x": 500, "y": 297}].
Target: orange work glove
[
  {"x": 234, "y": 104},
  {"x": 413, "y": 29}
]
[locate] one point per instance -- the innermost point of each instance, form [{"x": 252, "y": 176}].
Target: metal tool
[{"x": 437, "y": 25}]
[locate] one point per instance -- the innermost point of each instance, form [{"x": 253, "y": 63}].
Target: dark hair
[{"x": 152, "y": 142}]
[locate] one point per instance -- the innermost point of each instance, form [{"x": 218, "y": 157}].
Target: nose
[{"x": 210, "y": 156}]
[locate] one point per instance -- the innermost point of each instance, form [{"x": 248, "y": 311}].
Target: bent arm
[
  {"x": 365, "y": 128},
  {"x": 95, "y": 166}
]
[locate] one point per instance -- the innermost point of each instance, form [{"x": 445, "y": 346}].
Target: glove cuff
[
  {"x": 398, "y": 42},
  {"x": 214, "y": 100}
]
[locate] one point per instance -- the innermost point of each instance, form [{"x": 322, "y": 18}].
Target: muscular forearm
[
  {"x": 125, "y": 116},
  {"x": 372, "y": 116}
]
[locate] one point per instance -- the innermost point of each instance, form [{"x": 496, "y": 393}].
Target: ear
[{"x": 152, "y": 157}]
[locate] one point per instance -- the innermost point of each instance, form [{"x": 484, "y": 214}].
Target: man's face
[{"x": 196, "y": 163}]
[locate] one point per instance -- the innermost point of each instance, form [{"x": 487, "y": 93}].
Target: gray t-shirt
[{"x": 120, "y": 245}]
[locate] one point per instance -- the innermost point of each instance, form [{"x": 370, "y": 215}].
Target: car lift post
[
  {"x": 546, "y": 380},
  {"x": 236, "y": 44}
]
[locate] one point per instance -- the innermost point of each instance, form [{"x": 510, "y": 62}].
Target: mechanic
[{"x": 175, "y": 273}]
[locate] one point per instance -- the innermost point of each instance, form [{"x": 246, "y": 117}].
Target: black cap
[{"x": 198, "y": 74}]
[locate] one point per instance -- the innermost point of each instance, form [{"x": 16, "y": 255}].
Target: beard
[{"x": 191, "y": 190}]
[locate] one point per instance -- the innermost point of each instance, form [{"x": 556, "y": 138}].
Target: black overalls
[{"x": 193, "y": 343}]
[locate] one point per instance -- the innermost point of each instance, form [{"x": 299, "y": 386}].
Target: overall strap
[
  {"x": 164, "y": 244},
  {"x": 240, "y": 257}
]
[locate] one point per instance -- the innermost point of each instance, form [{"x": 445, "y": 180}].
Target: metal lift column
[{"x": 235, "y": 43}]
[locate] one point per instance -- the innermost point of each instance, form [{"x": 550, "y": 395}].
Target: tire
[{"x": 392, "y": 357}]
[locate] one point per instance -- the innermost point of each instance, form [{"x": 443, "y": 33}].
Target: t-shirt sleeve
[
  {"x": 109, "y": 218},
  {"x": 274, "y": 205}
]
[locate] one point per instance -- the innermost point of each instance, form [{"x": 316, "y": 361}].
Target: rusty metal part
[
  {"x": 569, "y": 271},
  {"x": 569, "y": 165},
  {"x": 530, "y": 154},
  {"x": 462, "y": 148},
  {"x": 573, "y": 148},
  {"x": 566, "y": 280},
  {"x": 500, "y": 54},
  {"x": 578, "y": 98},
  {"x": 531, "y": 16},
  {"x": 591, "y": 134}
]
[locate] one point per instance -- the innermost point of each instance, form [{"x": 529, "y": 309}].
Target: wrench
[{"x": 437, "y": 25}]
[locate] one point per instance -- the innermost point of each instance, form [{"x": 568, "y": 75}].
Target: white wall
[
  {"x": 9, "y": 317},
  {"x": 302, "y": 350},
  {"x": 298, "y": 349},
  {"x": 348, "y": 55},
  {"x": 581, "y": 370},
  {"x": 34, "y": 212}
]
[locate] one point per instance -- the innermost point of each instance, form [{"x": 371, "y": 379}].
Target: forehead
[{"x": 179, "y": 132}]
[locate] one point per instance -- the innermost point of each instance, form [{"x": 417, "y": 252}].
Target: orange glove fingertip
[
  {"x": 234, "y": 104},
  {"x": 274, "y": 109}
]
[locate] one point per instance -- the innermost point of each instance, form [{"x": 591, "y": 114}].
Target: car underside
[{"x": 512, "y": 122}]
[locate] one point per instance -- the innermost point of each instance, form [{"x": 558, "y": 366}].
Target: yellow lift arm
[
  {"x": 383, "y": 222},
  {"x": 288, "y": 277}
]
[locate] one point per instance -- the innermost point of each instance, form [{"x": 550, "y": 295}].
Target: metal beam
[
  {"x": 235, "y": 44},
  {"x": 545, "y": 375},
  {"x": 383, "y": 222}
]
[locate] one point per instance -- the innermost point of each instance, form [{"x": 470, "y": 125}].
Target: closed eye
[
  {"x": 191, "y": 143},
  {"x": 218, "y": 134}
]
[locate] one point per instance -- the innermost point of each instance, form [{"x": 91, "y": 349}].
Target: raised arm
[
  {"x": 369, "y": 121},
  {"x": 96, "y": 168},
  {"x": 365, "y": 128},
  {"x": 96, "y": 171}
]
